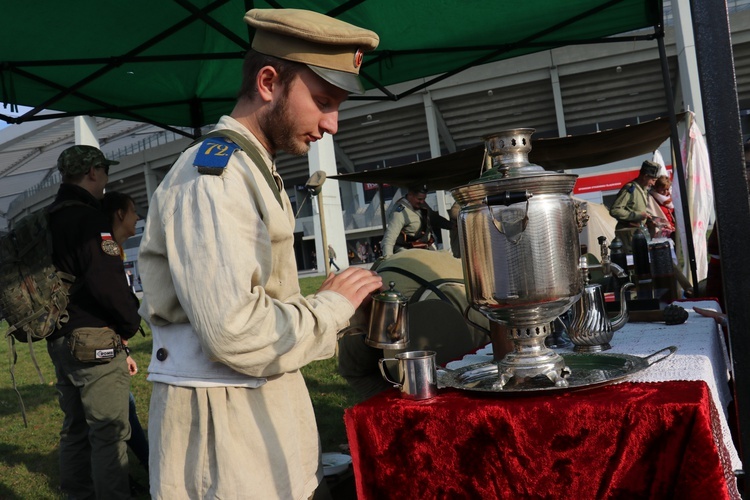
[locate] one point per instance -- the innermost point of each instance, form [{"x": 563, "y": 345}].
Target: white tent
[{"x": 600, "y": 224}]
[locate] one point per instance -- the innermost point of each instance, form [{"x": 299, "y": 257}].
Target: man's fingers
[{"x": 353, "y": 283}]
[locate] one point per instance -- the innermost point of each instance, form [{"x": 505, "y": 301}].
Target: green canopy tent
[{"x": 177, "y": 63}]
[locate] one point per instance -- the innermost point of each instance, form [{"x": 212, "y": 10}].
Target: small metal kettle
[
  {"x": 389, "y": 320},
  {"x": 590, "y": 328}
]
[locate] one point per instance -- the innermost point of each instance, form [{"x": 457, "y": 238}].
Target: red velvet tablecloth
[{"x": 646, "y": 440}]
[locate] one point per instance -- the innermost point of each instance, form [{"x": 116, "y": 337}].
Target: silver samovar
[{"x": 518, "y": 229}]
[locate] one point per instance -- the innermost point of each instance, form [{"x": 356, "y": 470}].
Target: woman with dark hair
[{"x": 121, "y": 208}]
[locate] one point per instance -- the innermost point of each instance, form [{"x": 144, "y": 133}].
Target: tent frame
[{"x": 108, "y": 64}]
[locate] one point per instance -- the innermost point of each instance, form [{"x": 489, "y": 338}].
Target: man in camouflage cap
[
  {"x": 631, "y": 205},
  {"x": 230, "y": 415},
  {"x": 92, "y": 396},
  {"x": 77, "y": 160}
]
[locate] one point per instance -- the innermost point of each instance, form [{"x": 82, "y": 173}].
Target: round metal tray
[{"x": 587, "y": 370}]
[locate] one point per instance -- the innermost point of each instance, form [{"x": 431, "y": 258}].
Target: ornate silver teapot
[{"x": 590, "y": 328}]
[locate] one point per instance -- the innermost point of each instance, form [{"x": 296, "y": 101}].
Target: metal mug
[{"x": 417, "y": 374}]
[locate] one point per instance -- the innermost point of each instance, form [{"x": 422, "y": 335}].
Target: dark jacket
[{"x": 101, "y": 296}]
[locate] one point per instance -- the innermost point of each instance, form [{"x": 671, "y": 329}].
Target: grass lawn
[{"x": 28, "y": 456}]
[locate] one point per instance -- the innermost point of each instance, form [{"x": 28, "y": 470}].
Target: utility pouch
[{"x": 94, "y": 345}]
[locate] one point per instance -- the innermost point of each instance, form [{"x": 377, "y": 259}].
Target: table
[{"x": 663, "y": 439}]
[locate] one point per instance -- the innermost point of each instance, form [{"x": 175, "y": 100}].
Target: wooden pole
[{"x": 323, "y": 236}]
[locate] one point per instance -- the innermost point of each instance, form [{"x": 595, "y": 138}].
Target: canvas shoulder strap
[
  {"x": 250, "y": 150},
  {"x": 432, "y": 286}
]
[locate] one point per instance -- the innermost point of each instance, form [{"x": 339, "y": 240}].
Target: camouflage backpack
[{"x": 33, "y": 293}]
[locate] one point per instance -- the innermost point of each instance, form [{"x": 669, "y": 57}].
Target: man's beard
[{"x": 278, "y": 126}]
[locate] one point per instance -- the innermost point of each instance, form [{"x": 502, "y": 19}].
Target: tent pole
[
  {"x": 675, "y": 140},
  {"x": 323, "y": 234},
  {"x": 721, "y": 114}
]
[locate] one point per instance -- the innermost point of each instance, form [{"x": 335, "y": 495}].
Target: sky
[{"x": 5, "y": 110}]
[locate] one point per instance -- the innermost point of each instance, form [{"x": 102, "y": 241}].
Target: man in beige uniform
[
  {"x": 230, "y": 415},
  {"x": 631, "y": 207},
  {"x": 411, "y": 223}
]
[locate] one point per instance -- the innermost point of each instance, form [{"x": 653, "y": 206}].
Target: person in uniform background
[
  {"x": 230, "y": 416},
  {"x": 435, "y": 322},
  {"x": 93, "y": 395},
  {"x": 411, "y": 223},
  {"x": 630, "y": 208}
]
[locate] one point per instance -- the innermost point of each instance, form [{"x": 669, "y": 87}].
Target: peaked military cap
[
  {"x": 332, "y": 49},
  {"x": 650, "y": 169},
  {"x": 79, "y": 159}
]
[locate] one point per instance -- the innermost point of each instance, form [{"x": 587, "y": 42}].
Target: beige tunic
[
  {"x": 403, "y": 218},
  {"x": 217, "y": 263},
  {"x": 631, "y": 202}
]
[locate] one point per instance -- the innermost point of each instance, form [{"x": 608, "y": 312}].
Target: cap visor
[{"x": 341, "y": 79}]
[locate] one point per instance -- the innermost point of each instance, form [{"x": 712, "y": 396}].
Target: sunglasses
[{"x": 105, "y": 168}]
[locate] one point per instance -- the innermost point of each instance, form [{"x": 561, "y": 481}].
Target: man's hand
[
  {"x": 720, "y": 318},
  {"x": 354, "y": 283},
  {"x": 132, "y": 366}
]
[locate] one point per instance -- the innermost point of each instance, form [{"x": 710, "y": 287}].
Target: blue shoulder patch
[
  {"x": 214, "y": 154},
  {"x": 631, "y": 188},
  {"x": 400, "y": 208}
]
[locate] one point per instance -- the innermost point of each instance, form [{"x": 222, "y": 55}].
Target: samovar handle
[
  {"x": 512, "y": 229},
  {"x": 507, "y": 198},
  {"x": 582, "y": 216}
]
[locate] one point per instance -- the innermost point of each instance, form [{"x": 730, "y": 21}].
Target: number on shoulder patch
[{"x": 213, "y": 155}]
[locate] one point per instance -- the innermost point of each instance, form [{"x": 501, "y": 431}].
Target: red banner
[
  {"x": 608, "y": 182},
  {"x": 369, "y": 186}
]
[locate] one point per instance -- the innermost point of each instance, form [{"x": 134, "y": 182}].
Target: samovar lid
[
  {"x": 390, "y": 295},
  {"x": 511, "y": 171}
]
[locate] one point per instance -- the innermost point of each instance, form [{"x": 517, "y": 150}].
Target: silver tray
[{"x": 587, "y": 370}]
